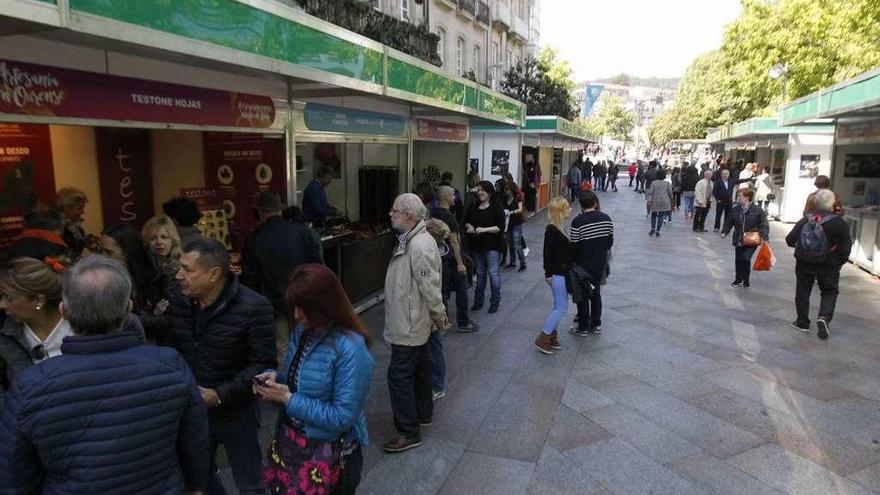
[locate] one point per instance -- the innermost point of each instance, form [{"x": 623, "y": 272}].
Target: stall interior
[{"x": 431, "y": 159}]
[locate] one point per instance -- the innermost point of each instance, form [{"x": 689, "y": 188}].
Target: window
[
  {"x": 475, "y": 63},
  {"x": 441, "y": 44},
  {"x": 509, "y": 60},
  {"x": 459, "y": 56},
  {"x": 377, "y": 5},
  {"x": 496, "y": 61},
  {"x": 404, "y": 9}
]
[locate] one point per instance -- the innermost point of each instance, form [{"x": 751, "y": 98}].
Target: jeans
[
  {"x": 657, "y": 220},
  {"x": 515, "y": 243},
  {"x": 689, "y": 205},
  {"x": 613, "y": 182},
  {"x": 721, "y": 209},
  {"x": 409, "y": 384},
  {"x": 488, "y": 266},
  {"x": 590, "y": 312},
  {"x": 438, "y": 361},
  {"x": 242, "y": 445},
  {"x": 575, "y": 191},
  {"x": 828, "y": 278},
  {"x": 560, "y": 303},
  {"x": 743, "y": 263},
  {"x": 454, "y": 281},
  {"x": 700, "y": 216}
]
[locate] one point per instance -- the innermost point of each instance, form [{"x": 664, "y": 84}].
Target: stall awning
[
  {"x": 551, "y": 124},
  {"x": 856, "y": 97},
  {"x": 763, "y": 128},
  {"x": 263, "y": 37}
]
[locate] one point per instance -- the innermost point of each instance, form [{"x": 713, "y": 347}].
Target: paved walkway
[{"x": 693, "y": 387}]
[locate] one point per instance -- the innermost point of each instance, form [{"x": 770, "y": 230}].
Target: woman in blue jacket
[{"x": 323, "y": 385}]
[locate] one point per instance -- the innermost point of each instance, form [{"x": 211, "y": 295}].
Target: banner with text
[{"x": 28, "y": 178}]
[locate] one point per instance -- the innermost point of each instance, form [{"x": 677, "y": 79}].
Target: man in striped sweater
[{"x": 592, "y": 235}]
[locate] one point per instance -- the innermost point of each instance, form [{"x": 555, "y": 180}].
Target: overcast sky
[{"x": 602, "y": 38}]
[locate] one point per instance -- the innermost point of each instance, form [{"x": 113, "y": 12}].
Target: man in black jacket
[
  {"x": 722, "y": 191},
  {"x": 271, "y": 253},
  {"x": 224, "y": 331},
  {"x": 827, "y": 272}
]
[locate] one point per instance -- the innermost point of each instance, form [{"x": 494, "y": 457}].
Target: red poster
[
  {"x": 29, "y": 89},
  {"x": 126, "y": 174},
  {"x": 239, "y": 166},
  {"x": 28, "y": 177},
  {"x": 435, "y": 129}
]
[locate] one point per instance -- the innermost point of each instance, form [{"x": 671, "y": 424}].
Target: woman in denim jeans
[
  {"x": 513, "y": 208},
  {"x": 557, "y": 258},
  {"x": 484, "y": 226}
]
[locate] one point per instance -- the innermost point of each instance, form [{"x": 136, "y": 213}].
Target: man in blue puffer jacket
[{"x": 108, "y": 415}]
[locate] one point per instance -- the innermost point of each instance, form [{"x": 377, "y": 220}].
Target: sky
[{"x": 602, "y": 38}]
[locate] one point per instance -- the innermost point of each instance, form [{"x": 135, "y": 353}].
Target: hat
[{"x": 268, "y": 201}]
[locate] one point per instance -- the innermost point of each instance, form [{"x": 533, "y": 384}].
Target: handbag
[
  {"x": 296, "y": 465},
  {"x": 751, "y": 239}
]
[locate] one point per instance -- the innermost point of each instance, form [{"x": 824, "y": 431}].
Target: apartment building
[{"x": 480, "y": 37}]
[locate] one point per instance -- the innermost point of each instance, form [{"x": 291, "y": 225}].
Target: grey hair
[
  {"x": 446, "y": 190},
  {"x": 412, "y": 205},
  {"x": 96, "y": 294},
  {"x": 825, "y": 199}
]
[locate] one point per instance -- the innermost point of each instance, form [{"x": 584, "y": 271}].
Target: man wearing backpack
[{"x": 822, "y": 244}]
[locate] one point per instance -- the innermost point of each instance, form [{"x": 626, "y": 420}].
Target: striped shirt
[{"x": 592, "y": 235}]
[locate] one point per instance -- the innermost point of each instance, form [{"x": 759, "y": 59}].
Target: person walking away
[
  {"x": 321, "y": 388},
  {"x": 633, "y": 168},
  {"x": 588, "y": 171},
  {"x": 676, "y": 188},
  {"x": 575, "y": 179},
  {"x": 484, "y": 224},
  {"x": 270, "y": 254},
  {"x": 613, "y": 170},
  {"x": 413, "y": 309},
  {"x": 454, "y": 270},
  {"x": 750, "y": 229},
  {"x": 822, "y": 243},
  {"x": 513, "y": 208},
  {"x": 689, "y": 179},
  {"x": 557, "y": 259},
  {"x": 659, "y": 200},
  {"x": 702, "y": 201},
  {"x": 722, "y": 191},
  {"x": 225, "y": 333},
  {"x": 185, "y": 214},
  {"x": 592, "y": 236},
  {"x": 763, "y": 188},
  {"x": 640, "y": 178},
  {"x": 822, "y": 182},
  {"x": 107, "y": 415}
]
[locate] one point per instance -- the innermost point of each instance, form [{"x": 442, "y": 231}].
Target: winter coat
[
  {"x": 574, "y": 176},
  {"x": 332, "y": 383},
  {"x": 659, "y": 196},
  {"x": 689, "y": 179},
  {"x": 188, "y": 234},
  {"x": 749, "y": 219},
  {"x": 15, "y": 356},
  {"x": 412, "y": 289},
  {"x": 723, "y": 191},
  {"x": 107, "y": 416},
  {"x": 836, "y": 232},
  {"x": 227, "y": 346}
]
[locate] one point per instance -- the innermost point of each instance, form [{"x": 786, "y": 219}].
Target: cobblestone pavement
[{"x": 692, "y": 387}]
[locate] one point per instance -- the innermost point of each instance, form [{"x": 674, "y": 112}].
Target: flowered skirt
[{"x": 296, "y": 465}]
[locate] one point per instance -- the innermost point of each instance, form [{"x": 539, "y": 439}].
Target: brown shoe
[
  {"x": 554, "y": 340},
  {"x": 543, "y": 343},
  {"x": 401, "y": 443}
]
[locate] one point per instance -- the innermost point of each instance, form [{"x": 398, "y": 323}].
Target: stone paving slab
[{"x": 719, "y": 477}]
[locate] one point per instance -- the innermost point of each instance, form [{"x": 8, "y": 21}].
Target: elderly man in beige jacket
[
  {"x": 702, "y": 201},
  {"x": 413, "y": 309}
]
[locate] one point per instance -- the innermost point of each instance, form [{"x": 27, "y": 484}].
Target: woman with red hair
[{"x": 322, "y": 386}]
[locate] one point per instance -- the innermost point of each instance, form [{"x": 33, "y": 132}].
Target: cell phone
[{"x": 260, "y": 380}]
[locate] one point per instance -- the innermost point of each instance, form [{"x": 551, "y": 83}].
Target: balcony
[
  {"x": 449, "y": 4},
  {"x": 501, "y": 19},
  {"x": 361, "y": 18},
  {"x": 519, "y": 29},
  {"x": 483, "y": 13},
  {"x": 467, "y": 9}
]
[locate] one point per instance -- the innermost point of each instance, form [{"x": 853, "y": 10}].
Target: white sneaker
[{"x": 526, "y": 252}]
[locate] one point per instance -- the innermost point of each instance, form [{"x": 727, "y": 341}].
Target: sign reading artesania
[{"x": 39, "y": 90}]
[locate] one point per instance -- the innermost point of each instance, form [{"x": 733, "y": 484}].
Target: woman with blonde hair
[
  {"x": 162, "y": 240},
  {"x": 557, "y": 258}
]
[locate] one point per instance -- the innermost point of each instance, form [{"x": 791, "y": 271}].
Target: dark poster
[
  {"x": 238, "y": 167},
  {"x": 27, "y": 175},
  {"x": 125, "y": 168}
]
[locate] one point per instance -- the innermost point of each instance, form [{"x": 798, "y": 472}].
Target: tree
[
  {"x": 543, "y": 84},
  {"x": 612, "y": 119}
]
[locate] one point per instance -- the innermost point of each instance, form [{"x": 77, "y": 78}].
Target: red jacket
[{"x": 632, "y": 169}]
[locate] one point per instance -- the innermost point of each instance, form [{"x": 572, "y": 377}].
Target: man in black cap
[{"x": 271, "y": 253}]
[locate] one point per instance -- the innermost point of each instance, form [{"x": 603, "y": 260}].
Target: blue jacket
[
  {"x": 314, "y": 202},
  {"x": 331, "y": 386},
  {"x": 107, "y": 416}
]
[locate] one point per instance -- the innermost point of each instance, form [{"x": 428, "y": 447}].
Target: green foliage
[
  {"x": 543, "y": 84},
  {"x": 824, "y": 42},
  {"x": 611, "y": 119}
]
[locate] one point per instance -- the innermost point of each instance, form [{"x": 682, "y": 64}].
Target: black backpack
[{"x": 813, "y": 245}]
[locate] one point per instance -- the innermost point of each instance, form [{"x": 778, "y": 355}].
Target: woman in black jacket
[
  {"x": 745, "y": 218},
  {"x": 484, "y": 226},
  {"x": 557, "y": 258}
]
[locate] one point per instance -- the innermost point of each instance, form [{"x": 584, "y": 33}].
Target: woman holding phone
[{"x": 322, "y": 386}]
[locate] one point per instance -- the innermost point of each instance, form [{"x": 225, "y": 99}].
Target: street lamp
[{"x": 777, "y": 71}]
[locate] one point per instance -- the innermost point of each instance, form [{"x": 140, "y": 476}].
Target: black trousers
[
  {"x": 409, "y": 383},
  {"x": 721, "y": 209},
  {"x": 743, "y": 263},
  {"x": 631, "y": 178},
  {"x": 590, "y": 312},
  {"x": 828, "y": 278},
  {"x": 700, "y": 216}
]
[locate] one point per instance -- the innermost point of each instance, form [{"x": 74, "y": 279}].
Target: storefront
[
  {"x": 853, "y": 107},
  {"x": 538, "y": 155},
  {"x": 793, "y": 156},
  {"x": 440, "y": 147}
]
